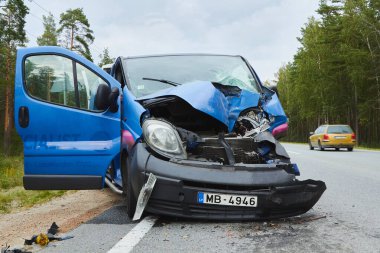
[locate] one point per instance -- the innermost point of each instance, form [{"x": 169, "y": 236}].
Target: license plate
[
  {"x": 340, "y": 137},
  {"x": 227, "y": 199}
]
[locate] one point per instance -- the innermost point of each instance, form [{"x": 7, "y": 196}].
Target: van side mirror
[
  {"x": 106, "y": 98},
  {"x": 274, "y": 88},
  {"x": 311, "y": 133},
  {"x": 113, "y": 99}
]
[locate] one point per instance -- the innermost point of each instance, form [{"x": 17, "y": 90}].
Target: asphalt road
[{"x": 346, "y": 219}]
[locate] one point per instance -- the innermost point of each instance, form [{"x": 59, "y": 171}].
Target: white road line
[
  {"x": 134, "y": 236},
  {"x": 292, "y": 152}
]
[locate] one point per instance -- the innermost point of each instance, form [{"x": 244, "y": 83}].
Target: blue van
[{"x": 203, "y": 125}]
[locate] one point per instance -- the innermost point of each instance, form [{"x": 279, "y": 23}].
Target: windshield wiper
[{"x": 161, "y": 81}]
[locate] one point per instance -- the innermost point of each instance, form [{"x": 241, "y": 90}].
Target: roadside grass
[
  {"x": 292, "y": 142},
  {"x": 12, "y": 194},
  {"x": 17, "y": 197},
  {"x": 367, "y": 148},
  {"x": 11, "y": 171}
]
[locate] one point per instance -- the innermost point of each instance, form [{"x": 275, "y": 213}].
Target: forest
[{"x": 334, "y": 77}]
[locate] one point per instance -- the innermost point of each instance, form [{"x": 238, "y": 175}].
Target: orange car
[{"x": 332, "y": 136}]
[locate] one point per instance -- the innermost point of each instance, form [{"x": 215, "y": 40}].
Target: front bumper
[
  {"x": 337, "y": 145},
  {"x": 175, "y": 193}
]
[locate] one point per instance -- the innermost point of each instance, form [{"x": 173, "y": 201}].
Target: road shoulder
[{"x": 68, "y": 211}]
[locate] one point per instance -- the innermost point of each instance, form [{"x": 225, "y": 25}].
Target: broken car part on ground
[
  {"x": 203, "y": 125},
  {"x": 41, "y": 239}
]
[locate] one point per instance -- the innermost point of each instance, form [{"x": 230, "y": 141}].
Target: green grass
[
  {"x": 12, "y": 194},
  {"x": 367, "y": 148},
  {"x": 293, "y": 142},
  {"x": 16, "y": 143},
  {"x": 16, "y": 198},
  {"x": 11, "y": 171}
]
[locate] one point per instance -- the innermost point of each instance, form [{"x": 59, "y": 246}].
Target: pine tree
[
  {"x": 50, "y": 35},
  {"x": 105, "y": 58},
  {"x": 12, "y": 35},
  {"x": 75, "y": 31}
]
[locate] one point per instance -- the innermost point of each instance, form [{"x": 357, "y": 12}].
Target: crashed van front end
[
  {"x": 211, "y": 191},
  {"x": 212, "y": 147}
]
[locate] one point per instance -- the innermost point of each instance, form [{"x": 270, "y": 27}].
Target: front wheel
[
  {"x": 320, "y": 146},
  {"x": 311, "y": 146},
  {"x": 127, "y": 187}
]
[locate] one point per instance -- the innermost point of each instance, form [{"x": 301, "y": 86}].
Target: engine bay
[{"x": 207, "y": 139}]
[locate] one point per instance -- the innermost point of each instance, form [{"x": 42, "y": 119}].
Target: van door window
[
  {"x": 88, "y": 83},
  {"x": 50, "y": 78}
]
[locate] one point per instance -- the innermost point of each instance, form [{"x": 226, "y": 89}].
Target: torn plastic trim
[
  {"x": 144, "y": 196},
  {"x": 227, "y": 149},
  {"x": 266, "y": 136}
]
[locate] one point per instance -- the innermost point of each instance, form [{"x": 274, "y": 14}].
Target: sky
[{"x": 264, "y": 32}]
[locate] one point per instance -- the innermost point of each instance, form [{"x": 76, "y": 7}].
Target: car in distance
[
  {"x": 195, "y": 132},
  {"x": 332, "y": 136}
]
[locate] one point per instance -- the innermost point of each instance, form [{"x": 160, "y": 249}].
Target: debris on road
[
  {"x": 284, "y": 224},
  {"x": 274, "y": 225},
  {"x": 313, "y": 218},
  {"x": 53, "y": 229},
  {"x": 7, "y": 249},
  {"x": 44, "y": 239}
]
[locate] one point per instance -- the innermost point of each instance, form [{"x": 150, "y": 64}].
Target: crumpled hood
[{"x": 223, "y": 104}]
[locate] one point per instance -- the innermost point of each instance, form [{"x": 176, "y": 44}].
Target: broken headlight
[{"x": 163, "y": 138}]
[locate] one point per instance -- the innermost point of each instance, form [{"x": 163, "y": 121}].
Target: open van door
[{"x": 70, "y": 137}]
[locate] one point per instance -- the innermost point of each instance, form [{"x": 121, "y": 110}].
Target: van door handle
[{"x": 23, "y": 116}]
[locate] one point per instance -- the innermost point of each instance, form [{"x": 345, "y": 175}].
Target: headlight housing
[{"x": 163, "y": 138}]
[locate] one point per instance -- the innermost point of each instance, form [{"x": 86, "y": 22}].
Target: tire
[
  {"x": 337, "y": 149},
  {"x": 350, "y": 149},
  {"x": 127, "y": 187},
  {"x": 320, "y": 146},
  {"x": 311, "y": 146}
]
